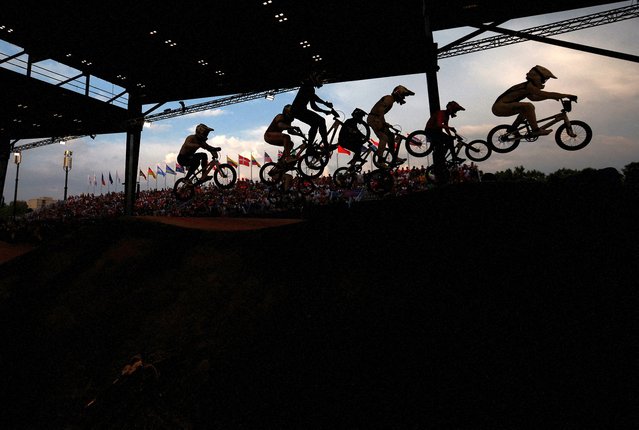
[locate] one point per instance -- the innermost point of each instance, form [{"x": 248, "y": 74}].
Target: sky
[{"x": 607, "y": 88}]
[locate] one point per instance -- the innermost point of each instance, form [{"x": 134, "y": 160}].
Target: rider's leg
[
  {"x": 450, "y": 144},
  {"x": 204, "y": 161},
  {"x": 527, "y": 109}
]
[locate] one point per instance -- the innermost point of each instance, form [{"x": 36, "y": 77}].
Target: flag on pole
[
  {"x": 343, "y": 150},
  {"x": 231, "y": 161},
  {"x": 142, "y": 174},
  {"x": 151, "y": 173},
  {"x": 90, "y": 180},
  {"x": 267, "y": 158},
  {"x": 160, "y": 172},
  {"x": 254, "y": 161},
  {"x": 169, "y": 170},
  {"x": 117, "y": 177},
  {"x": 103, "y": 181},
  {"x": 279, "y": 154},
  {"x": 179, "y": 168},
  {"x": 110, "y": 178},
  {"x": 243, "y": 160}
]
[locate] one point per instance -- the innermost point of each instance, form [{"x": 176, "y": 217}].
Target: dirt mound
[{"x": 479, "y": 304}]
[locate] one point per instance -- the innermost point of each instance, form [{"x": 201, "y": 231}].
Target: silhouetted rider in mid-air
[
  {"x": 305, "y": 95},
  {"x": 510, "y": 102},
  {"x": 188, "y": 156}
]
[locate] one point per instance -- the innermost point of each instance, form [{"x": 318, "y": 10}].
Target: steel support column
[
  {"x": 439, "y": 151},
  {"x": 133, "y": 138}
]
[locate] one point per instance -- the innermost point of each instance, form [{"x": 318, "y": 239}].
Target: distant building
[{"x": 40, "y": 202}]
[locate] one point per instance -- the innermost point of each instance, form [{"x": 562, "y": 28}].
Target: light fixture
[{"x": 270, "y": 96}]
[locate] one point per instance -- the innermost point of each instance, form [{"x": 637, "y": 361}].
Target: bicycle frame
[{"x": 544, "y": 123}]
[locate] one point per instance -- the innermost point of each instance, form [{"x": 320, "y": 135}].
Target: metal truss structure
[{"x": 460, "y": 47}]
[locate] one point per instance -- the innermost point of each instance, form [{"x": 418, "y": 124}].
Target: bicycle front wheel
[
  {"x": 503, "y": 138},
  {"x": 578, "y": 136},
  {"x": 478, "y": 150},
  {"x": 269, "y": 174},
  {"x": 225, "y": 176},
  {"x": 183, "y": 189},
  {"x": 417, "y": 144}
]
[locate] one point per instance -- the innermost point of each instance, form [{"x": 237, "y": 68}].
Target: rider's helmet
[
  {"x": 538, "y": 75},
  {"x": 400, "y": 92},
  {"x": 358, "y": 113},
  {"x": 202, "y": 130},
  {"x": 454, "y": 107},
  {"x": 317, "y": 78}
]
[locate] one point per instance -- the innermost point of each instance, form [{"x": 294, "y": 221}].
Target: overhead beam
[
  {"x": 587, "y": 21},
  {"x": 564, "y": 44}
]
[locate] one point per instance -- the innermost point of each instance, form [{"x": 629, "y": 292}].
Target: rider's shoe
[
  {"x": 459, "y": 160},
  {"x": 399, "y": 161},
  {"x": 206, "y": 178},
  {"x": 541, "y": 132}
]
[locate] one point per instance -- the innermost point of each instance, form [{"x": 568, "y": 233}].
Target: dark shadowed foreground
[{"x": 473, "y": 306}]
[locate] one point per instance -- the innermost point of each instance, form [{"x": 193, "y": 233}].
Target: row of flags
[
  {"x": 93, "y": 180},
  {"x": 150, "y": 173}
]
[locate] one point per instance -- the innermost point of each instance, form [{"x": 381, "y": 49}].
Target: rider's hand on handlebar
[{"x": 329, "y": 105}]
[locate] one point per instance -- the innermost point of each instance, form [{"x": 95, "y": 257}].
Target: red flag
[
  {"x": 279, "y": 154},
  {"x": 103, "y": 181},
  {"x": 243, "y": 160},
  {"x": 142, "y": 174},
  {"x": 343, "y": 150}
]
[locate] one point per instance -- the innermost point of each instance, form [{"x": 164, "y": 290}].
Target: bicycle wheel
[
  {"x": 503, "y": 138},
  {"x": 379, "y": 181},
  {"x": 417, "y": 144},
  {"x": 344, "y": 178},
  {"x": 312, "y": 164},
  {"x": 183, "y": 189},
  {"x": 387, "y": 157},
  {"x": 582, "y": 136},
  {"x": 225, "y": 176},
  {"x": 478, "y": 150},
  {"x": 269, "y": 174}
]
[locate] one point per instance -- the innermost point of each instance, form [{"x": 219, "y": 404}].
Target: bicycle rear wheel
[
  {"x": 582, "y": 134},
  {"x": 312, "y": 164},
  {"x": 380, "y": 181},
  {"x": 417, "y": 144},
  {"x": 183, "y": 189},
  {"x": 503, "y": 138},
  {"x": 478, "y": 150},
  {"x": 344, "y": 178},
  {"x": 225, "y": 176}
]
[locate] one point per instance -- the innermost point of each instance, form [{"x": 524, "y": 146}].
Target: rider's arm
[
  {"x": 314, "y": 104},
  {"x": 535, "y": 94}
]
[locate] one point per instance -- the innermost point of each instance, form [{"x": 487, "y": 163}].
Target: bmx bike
[
  {"x": 318, "y": 156},
  {"x": 418, "y": 145},
  {"x": 572, "y": 135},
  {"x": 277, "y": 172},
  {"x": 224, "y": 176}
]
